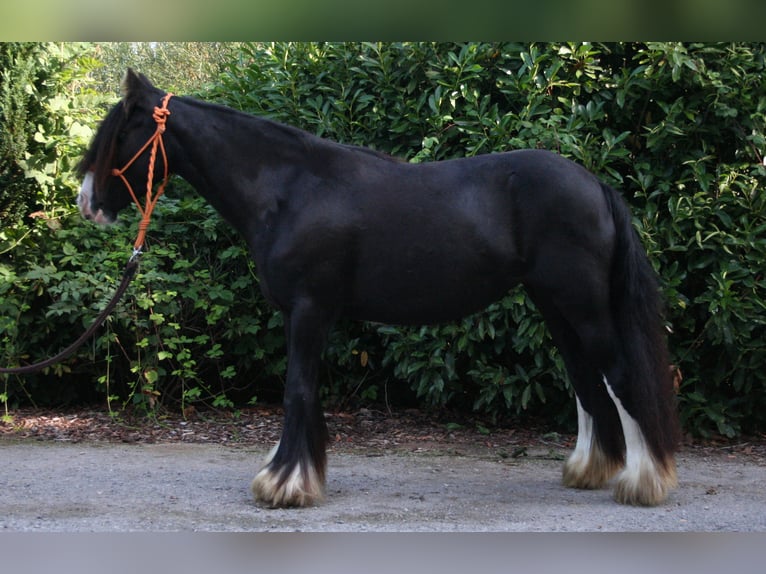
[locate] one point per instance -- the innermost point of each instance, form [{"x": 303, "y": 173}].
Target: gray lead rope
[{"x": 127, "y": 276}]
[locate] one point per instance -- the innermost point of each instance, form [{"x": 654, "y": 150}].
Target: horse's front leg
[{"x": 294, "y": 471}]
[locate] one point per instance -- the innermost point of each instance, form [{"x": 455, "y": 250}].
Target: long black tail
[{"x": 638, "y": 308}]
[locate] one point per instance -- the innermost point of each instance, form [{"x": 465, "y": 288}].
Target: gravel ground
[{"x": 402, "y": 473}]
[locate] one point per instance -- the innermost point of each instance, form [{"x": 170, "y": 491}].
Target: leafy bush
[
  {"x": 189, "y": 328},
  {"x": 679, "y": 128},
  {"x": 43, "y": 133}
]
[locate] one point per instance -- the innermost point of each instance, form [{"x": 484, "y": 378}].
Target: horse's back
[
  {"x": 434, "y": 242},
  {"x": 421, "y": 243}
]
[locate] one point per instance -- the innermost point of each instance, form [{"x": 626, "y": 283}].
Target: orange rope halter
[{"x": 160, "y": 116}]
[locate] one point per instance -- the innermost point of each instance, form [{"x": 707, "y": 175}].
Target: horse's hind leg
[
  {"x": 623, "y": 380},
  {"x": 294, "y": 472},
  {"x": 589, "y": 466},
  {"x": 599, "y": 450},
  {"x": 609, "y": 391},
  {"x": 646, "y": 478}
]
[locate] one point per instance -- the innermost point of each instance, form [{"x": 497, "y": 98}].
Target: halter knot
[{"x": 160, "y": 116}]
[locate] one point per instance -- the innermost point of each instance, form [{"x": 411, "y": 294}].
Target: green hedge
[{"x": 679, "y": 128}]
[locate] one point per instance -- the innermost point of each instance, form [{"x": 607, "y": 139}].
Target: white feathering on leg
[
  {"x": 303, "y": 487},
  {"x": 587, "y": 466},
  {"x": 578, "y": 460},
  {"x": 643, "y": 481}
]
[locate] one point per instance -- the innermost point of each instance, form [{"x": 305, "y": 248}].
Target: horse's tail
[{"x": 638, "y": 310}]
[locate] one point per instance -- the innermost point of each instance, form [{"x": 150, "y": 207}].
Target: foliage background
[{"x": 678, "y": 127}]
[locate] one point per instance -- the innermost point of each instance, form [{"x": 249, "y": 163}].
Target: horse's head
[{"x": 122, "y": 133}]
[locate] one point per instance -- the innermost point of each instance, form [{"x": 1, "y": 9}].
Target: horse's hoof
[
  {"x": 301, "y": 487},
  {"x": 646, "y": 485},
  {"x": 589, "y": 470}
]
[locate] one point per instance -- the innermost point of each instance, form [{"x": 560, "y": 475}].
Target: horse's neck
[{"x": 224, "y": 155}]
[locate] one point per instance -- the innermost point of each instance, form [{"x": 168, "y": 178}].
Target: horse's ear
[{"x": 131, "y": 86}]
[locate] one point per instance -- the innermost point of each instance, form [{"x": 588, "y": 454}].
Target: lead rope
[
  {"x": 160, "y": 116},
  {"x": 127, "y": 275}
]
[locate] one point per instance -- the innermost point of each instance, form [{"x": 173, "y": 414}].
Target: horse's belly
[{"x": 427, "y": 292}]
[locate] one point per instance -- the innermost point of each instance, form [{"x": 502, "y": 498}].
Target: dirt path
[{"x": 96, "y": 487}]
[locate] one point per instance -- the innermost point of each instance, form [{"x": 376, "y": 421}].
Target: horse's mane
[
  {"x": 99, "y": 158},
  {"x": 296, "y": 134}
]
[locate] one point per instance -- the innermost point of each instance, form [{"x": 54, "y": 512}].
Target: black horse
[{"x": 342, "y": 231}]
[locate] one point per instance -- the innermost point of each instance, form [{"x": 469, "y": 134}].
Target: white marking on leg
[
  {"x": 641, "y": 482},
  {"x": 578, "y": 460},
  {"x": 272, "y": 453},
  {"x": 587, "y": 466}
]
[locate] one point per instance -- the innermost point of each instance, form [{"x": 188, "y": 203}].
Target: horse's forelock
[{"x": 99, "y": 158}]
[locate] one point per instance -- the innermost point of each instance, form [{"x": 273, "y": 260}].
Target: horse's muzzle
[{"x": 85, "y": 202}]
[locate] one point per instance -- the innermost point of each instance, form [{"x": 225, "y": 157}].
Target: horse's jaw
[{"x": 85, "y": 203}]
